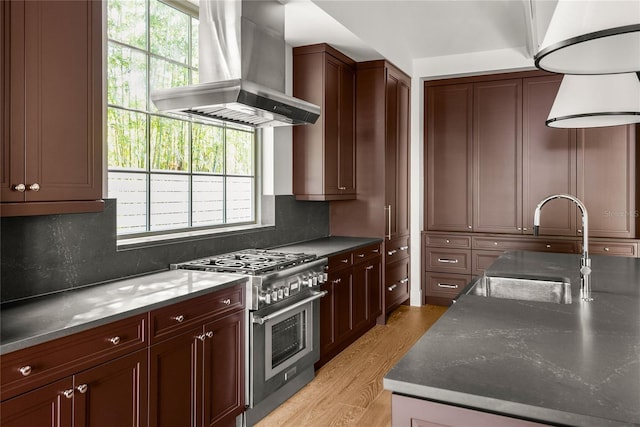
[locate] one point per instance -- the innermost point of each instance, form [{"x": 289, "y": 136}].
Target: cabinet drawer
[
  {"x": 366, "y": 253},
  {"x": 448, "y": 260},
  {"x": 397, "y": 249},
  {"x": 539, "y": 245},
  {"x": 481, "y": 260},
  {"x": 336, "y": 262},
  {"x": 613, "y": 248},
  {"x": 448, "y": 241},
  {"x": 397, "y": 283},
  {"x": 43, "y": 363},
  {"x": 169, "y": 321},
  {"x": 446, "y": 285}
]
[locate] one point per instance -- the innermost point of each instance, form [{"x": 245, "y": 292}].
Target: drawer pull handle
[
  {"x": 179, "y": 318},
  {"x": 448, "y": 260},
  {"x": 68, "y": 393},
  {"x": 209, "y": 334},
  {"x": 606, "y": 249},
  {"x": 404, "y": 248},
  {"x": 82, "y": 388},
  {"x": 392, "y": 252},
  {"x": 114, "y": 340},
  {"x": 446, "y": 285},
  {"x": 369, "y": 267},
  {"x": 25, "y": 370},
  {"x": 392, "y": 287},
  {"x": 376, "y": 251},
  {"x": 226, "y": 301},
  {"x": 344, "y": 260}
]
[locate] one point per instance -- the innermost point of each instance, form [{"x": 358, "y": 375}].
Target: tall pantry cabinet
[{"x": 382, "y": 173}]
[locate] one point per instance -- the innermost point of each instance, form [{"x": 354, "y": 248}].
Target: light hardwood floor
[{"x": 348, "y": 390}]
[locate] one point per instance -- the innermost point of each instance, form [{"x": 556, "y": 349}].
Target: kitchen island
[{"x": 572, "y": 364}]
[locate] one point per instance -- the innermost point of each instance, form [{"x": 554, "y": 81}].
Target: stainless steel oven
[{"x": 284, "y": 347}]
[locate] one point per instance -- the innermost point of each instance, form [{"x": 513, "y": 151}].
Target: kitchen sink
[{"x": 542, "y": 289}]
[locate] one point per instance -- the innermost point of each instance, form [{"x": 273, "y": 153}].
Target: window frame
[{"x": 149, "y": 172}]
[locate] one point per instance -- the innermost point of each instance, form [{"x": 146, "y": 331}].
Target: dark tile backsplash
[{"x": 44, "y": 254}]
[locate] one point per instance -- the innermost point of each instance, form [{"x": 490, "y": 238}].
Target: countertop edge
[{"x": 499, "y": 407}]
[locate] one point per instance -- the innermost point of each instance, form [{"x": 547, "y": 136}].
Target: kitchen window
[{"x": 168, "y": 173}]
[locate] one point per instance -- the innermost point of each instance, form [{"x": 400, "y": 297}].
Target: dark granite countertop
[
  {"x": 571, "y": 364},
  {"x": 328, "y": 246},
  {"x": 37, "y": 320}
]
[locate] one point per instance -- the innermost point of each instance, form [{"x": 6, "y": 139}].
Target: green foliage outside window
[{"x": 168, "y": 172}]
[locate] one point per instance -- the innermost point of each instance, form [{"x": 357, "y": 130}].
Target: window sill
[{"x": 125, "y": 243}]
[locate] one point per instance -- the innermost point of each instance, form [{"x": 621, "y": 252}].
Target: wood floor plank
[{"x": 348, "y": 390}]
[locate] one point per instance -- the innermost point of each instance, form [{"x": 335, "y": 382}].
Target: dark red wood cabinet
[
  {"x": 52, "y": 107},
  {"x": 324, "y": 153},
  {"x": 353, "y": 301},
  {"x": 197, "y": 361},
  {"x": 192, "y": 374},
  {"x": 383, "y": 168}
]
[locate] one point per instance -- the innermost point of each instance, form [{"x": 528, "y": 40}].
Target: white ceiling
[{"x": 408, "y": 31}]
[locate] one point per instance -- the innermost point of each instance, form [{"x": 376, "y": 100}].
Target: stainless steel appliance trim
[{"x": 261, "y": 320}]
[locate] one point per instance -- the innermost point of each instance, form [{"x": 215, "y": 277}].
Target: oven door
[{"x": 284, "y": 343}]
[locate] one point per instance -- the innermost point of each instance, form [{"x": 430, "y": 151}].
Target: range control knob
[
  {"x": 274, "y": 295},
  {"x": 280, "y": 293},
  {"x": 314, "y": 279},
  {"x": 265, "y": 297},
  {"x": 286, "y": 291}
]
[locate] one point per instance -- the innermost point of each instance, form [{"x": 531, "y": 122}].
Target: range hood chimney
[{"x": 242, "y": 69}]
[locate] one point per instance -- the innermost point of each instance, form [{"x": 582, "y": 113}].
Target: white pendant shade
[
  {"x": 592, "y": 37},
  {"x": 596, "y": 101}
]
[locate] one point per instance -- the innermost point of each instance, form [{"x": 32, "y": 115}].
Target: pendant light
[
  {"x": 592, "y": 37},
  {"x": 596, "y": 101}
]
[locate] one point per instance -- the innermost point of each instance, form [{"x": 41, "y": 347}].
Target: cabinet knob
[
  {"x": 226, "y": 301},
  {"x": 369, "y": 267},
  {"x": 392, "y": 287},
  {"x": 34, "y": 187},
  {"x": 360, "y": 255},
  {"x": 405, "y": 280},
  {"x": 209, "y": 334},
  {"x": 68, "y": 393},
  {"x": 448, "y": 241},
  {"x": 179, "y": 318},
  {"x": 346, "y": 261},
  {"x": 469, "y": 227},
  {"x": 525, "y": 229},
  {"x": 201, "y": 337},
  {"x": 404, "y": 248},
  {"x": 548, "y": 246},
  {"x": 82, "y": 388},
  {"x": 114, "y": 340},
  {"x": 606, "y": 249},
  {"x": 391, "y": 252},
  {"x": 342, "y": 188},
  {"x": 20, "y": 188},
  {"x": 25, "y": 370}
]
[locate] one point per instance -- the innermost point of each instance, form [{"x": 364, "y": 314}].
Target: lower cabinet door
[
  {"x": 360, "y": 309},
  {"x": 343, "y": 300},
  {"x": 173, "y": 380},
  {"x": 373, "y": 276},
  {"x": 223, "y": 371},
  {"x": 112, "y": 394},
  {"x": 44, "y": 407}
]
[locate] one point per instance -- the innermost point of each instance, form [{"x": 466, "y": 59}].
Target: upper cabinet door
[
  {"x": 607, "y": 180},
  {"x": 448, "y": 157},
  {"x": 324, "y": 153},
  {"x": 549, "y": 160},
  {"x": 53, "y": 65},
  {"x": 497, "y": 136}
]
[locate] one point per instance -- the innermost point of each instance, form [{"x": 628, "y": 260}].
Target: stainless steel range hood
[{"x": 242, "y": 68}]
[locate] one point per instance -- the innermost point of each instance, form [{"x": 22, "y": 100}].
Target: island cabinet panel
[
  {"x": 382, "y": 140},
  {"x": 46, "y": 407},
  {"x": 353, "y": 301},
  {"x": 413, "y": 412},
  {"x": 52, "y": 107},
  {"x": 324, "y": 153},
  {"x": 607, "y": 180}
]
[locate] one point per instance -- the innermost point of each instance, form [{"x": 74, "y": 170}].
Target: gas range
[{"x": 275, "y": 276}]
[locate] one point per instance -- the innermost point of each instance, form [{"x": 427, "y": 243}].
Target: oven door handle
[{"x": 261, "y": 320}]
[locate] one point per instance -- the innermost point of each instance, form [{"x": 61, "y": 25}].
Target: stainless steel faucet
[{"x": 585, "y": 262}]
